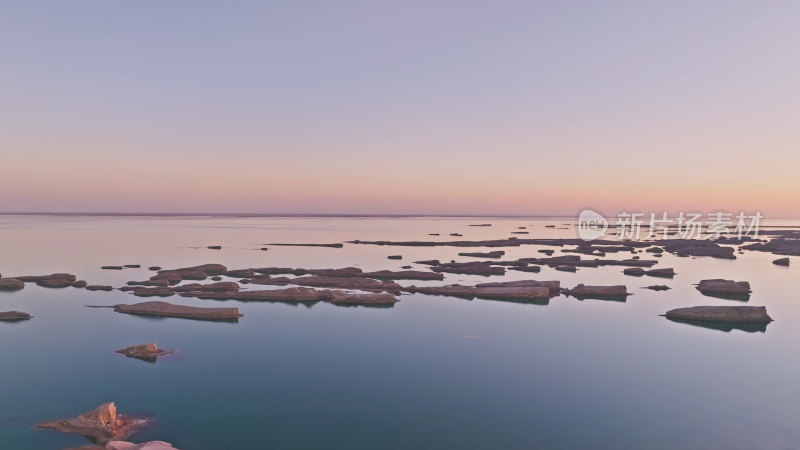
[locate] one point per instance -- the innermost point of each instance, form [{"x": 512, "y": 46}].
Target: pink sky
[{"x": 542, "y": 108}]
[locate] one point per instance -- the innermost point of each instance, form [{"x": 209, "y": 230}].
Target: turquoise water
[{"x": 430, "y": 373}]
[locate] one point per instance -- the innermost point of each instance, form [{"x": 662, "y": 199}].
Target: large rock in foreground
[
  {"x": 186, "y": 312},
  {"x": 12, "y": 316},
  {"x": 732, "y": 314},
  {"x": 100, "y": 425}
]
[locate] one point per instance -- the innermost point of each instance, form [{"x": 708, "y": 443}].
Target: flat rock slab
[
  {"x": 152, "y": 445},
  {"x": 12, "y": 316},
  {"x": 731, "y": 314},
  {"x": 719, "y": 286},
  {"x": 98, "y": 287},
  {"x": 186, "y": 312},
  {"x": 583, "y": 291},
  {"x": 291, "y": 295},
  {"x": 553, "y": 285},
  {"x": 346, "y": 298},
  {"x": 310, "y": 245},
  {"x": 223, "y": 286},
  {"x": 495, "y": 254}
]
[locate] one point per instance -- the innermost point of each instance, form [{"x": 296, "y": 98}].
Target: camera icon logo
[{"x": 591, "y": 225}]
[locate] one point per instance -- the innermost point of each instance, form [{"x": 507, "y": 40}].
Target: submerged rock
[
  {"x": 662, "y": 273},
  {"x": 428, "y": 262},
  {"x": 98, "y": 287},
  {"x": 66, "y": 277},
  {"x": 56, "y": 282},
  {"x": 781, "y": 262},
  {"x": 554, "y": 286},
  {"x": 153, "y": 292},
  {"x": 470, "y": 268},
  {"x": 214, "y": 247},
  {"x": 696, "y": 247},
  {"x": 100, "y": 425},
  {"x": 209, "y": 269},
  {"x": 494, "y": 254},
  {"x": 740, "y": 314},
  {"x": 634, "y": 271},
  {"x": 293, "y": 294},
  {"x": 513, "y": 292},
  {"x": 718, "y": 286},
  {"x": 658, "y": 287},
  {"x": 146, "y": 352},
  {"x": 112, "y": 267},
  {"x": 346, "y": 298},
  {"x": 223, "y": 286},
  {"x": 171, "y": 276},
  {"x": 583, "y": 291},
  {"x": 186, "y": 312},
  {"x": 12, "y": 316},
  {"x": 404, "y": 275},
  {"x": 240, "y": 273},
  {"x": 11, "y": 284},
  {"x": 311, "y": 245},
  {"x": 152, "y": 445}
]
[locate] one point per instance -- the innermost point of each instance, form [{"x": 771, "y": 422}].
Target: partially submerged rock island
[{"x": 100, "y": 425}]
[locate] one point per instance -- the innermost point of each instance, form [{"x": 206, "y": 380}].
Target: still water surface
[{"x": 430, "y": 373}]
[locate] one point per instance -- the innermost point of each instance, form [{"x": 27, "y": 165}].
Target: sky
[{"x": 400, "y": 107}]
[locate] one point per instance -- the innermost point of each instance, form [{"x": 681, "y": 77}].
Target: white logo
[{"x": 591, "y": 225}]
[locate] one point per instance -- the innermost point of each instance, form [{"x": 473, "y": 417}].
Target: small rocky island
[
  {"x": 101, "y": 425},
  {"x": 146, "y": 352}
]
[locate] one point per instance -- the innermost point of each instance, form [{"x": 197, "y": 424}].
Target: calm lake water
[{"x": 429, "y": 373}]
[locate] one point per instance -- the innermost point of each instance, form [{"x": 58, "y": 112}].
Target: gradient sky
[{"x": 492, "y": 107}]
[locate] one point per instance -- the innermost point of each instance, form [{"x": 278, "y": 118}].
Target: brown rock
[
  {"x": 11, "y": 284},
  {"x": 346, "y": 298},
  {"x": 583, "y": 291},
  {"x": 719, "y": 286},
  {"x": 187, "y": 312},
  {"x": 554, "y": 286},
  {"x": 100, "y": 425},
  {"x": 781, "y": 262},
  {"x": 405, "y": 275},
  {"x": 146, "y": 352},
  {"x": 495, "y": 254},
  {"x": 470, "y": 268},
  {"x": 12, "y": 316},
  {"x": 740, "y": 314},
  {"x": 223, "y": 286},
  {"x": 293, "y": 294},
  {"x": 98, "y": 287},
  {"x": 241, "y": 273}
]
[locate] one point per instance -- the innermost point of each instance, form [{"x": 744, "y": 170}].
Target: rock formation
[
  {"x": 186, "y": 312},
  {"x": 100, "y": 425}
]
